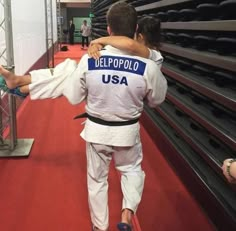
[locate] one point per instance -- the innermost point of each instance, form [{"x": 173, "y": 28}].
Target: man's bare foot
[
  {"x": 126, "y": 216},
  {"x": 10, "y": 78},
  {"x": 3, "y": 71}
]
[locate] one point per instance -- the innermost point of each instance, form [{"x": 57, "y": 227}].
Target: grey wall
[
  {"x": 29, "y": 33},
  {"x": 77, "y": 12}
]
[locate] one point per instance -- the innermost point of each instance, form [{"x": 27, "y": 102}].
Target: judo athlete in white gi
[{"x": 115, "y": 88}]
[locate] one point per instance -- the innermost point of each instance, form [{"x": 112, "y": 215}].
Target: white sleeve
[
  {"x": 75, "y": 89},
  {"x": 156, "y": 56},
  {"x": 156, "y": 86}
]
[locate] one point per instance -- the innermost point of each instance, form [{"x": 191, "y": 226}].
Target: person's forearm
[{"x": 124, "y": 43}]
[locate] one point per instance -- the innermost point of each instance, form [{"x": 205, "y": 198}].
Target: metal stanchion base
[{"x": 22, "y": 148}]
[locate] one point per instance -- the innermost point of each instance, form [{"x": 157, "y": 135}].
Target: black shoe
[{"x": 124, "y": 227}]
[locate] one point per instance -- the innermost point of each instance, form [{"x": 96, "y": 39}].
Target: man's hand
[
  {"x": 94, "y": 50},
  {"x": 226, "y": 174}
]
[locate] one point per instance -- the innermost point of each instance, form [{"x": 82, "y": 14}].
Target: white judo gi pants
[
  {"x": 50, "y": 85},
  {"x": 128, "y": 162}
]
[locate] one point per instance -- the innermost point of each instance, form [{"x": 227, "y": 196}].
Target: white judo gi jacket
[{"x": 115, "y": 87}]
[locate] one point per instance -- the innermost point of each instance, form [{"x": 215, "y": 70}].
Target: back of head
[
  {"x": 150, "y": 28},
  {"x": 122, "y": 19}
]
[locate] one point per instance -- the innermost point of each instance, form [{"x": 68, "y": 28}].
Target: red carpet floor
[
  {"x": 74, "y": 52},
  {"x": 47, "y": 191}
]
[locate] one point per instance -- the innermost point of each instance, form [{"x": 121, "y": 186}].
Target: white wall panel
[
  {"x": 2, "y": 37},
  {"x": 29, "y": 33}
]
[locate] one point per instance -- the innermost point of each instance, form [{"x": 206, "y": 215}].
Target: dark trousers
[
  {"x": 85, "y": 39},
  {"x": 71, "y": 38}
]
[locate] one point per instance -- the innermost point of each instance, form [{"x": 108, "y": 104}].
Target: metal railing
[
  {"x": 9, "y": 144},
  {"x": 59, "y": 23},
  {"x": 49, "y": 33}
]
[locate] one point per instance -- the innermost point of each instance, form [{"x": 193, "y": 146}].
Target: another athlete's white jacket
[{"x": 114, "y": 88}]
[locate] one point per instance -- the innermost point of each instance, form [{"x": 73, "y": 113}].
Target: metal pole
[
  {"x": 10, "y": 65},
  {"x": 49, "y": 36},
  {"x": 52, "y": 34},
  {"x": 1, "y": 103},
  {"x": 11, "y": 147},
  {"x": 59, "y": 32},
  {"x": 46, "y": 28},
  {"x": 1, "y": 125}
]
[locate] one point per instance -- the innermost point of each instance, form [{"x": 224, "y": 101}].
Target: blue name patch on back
[{"x": 117, "y": 63}]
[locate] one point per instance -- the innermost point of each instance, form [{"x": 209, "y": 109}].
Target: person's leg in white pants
[
  {"x": 128, "y": 162},
  {"x": 98, "y": 161}
]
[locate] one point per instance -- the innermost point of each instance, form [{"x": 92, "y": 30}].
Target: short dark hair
[
  {"x": 150, "y": 28},
  {"x": 122, "y": 19}
]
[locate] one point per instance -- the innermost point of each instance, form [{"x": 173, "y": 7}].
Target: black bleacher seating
[
  {"x": 228, "y": 9},
  {"x": 185, "y": 40},
  {"x": 182, "y": 89},
  {"x": 203, "y": 42},
  {"x": 173, "y": 15},
  {"x": 202, "y": 70},
  {"x": 226, "y": 46},
  {"x": 136, "y": 3},
  {"x": 170, "y": 81},
  {"x": 198, "y": 98},
  {"x": 162, "y": 16},
  {"x": 152, "y": 15},
  {"x": 171, "y": 37},
  {"x": 194, "y": 125},
  {"x": 170, "y": 59},
  {"x": 188, "y": 14},
  {"x": 214, "y": 142},
  {"x": 102, "y": 5},
  {"x": 208, "y": 11},
  {"x": 225, "y": 79},
  {"x": 178, "y": 112},
  {"x": 184, "y": 64},
  {"x": 220, "y": 111},
  {"x": 163, "y": 37}
]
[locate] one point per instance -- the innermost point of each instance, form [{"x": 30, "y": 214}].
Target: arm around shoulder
[{"x": 124, "y": 43}]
